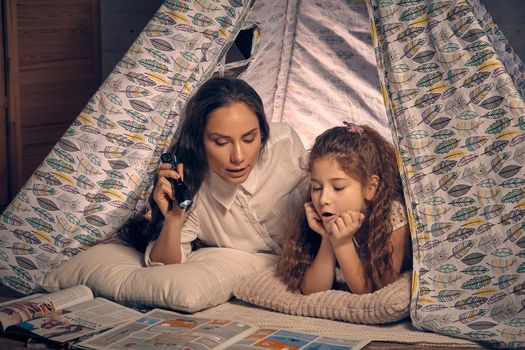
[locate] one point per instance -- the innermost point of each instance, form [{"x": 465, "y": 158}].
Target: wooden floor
[{"x": 7, "y": 294}]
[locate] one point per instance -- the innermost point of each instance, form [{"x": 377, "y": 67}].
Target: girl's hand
[
  {"x": 314, "y": 220},
  {"x": 346, "y": 226},
  {"x": 163, "y": 191}
]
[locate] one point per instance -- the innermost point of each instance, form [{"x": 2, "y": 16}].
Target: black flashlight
[{"x": 180, "y": 190}]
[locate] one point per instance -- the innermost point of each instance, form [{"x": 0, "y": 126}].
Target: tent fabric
[
  {"x": 268, "y": 68},
  {"x": 101, "y": 170},
  {"x": 315, "y": 65},
  {"x": 332, "y": 76},
  {"x": 451, "y": 106}
]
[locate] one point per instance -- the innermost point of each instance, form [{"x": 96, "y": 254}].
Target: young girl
[{"x": 355, "y": 219}]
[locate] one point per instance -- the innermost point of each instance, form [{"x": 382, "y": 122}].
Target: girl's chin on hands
[{"x": 341, "y": 233}]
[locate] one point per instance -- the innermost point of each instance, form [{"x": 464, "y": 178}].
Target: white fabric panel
[
  {"x": 333, "y": 74},
  {"x": 276, "y": 20}
]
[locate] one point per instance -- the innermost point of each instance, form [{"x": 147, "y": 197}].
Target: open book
[
  {"x": 62, "y": 316},
  {"x": 162, "y": 329}
]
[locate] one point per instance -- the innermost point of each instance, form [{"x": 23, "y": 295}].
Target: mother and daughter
[{"x": 248, "y": 184}]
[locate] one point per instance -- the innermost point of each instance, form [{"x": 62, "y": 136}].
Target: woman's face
[{"x": 232, "y": 141}]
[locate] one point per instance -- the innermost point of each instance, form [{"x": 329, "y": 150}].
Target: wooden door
[
  {"x": 4, "y": 184},
  {"x": 53, "y": 50}
]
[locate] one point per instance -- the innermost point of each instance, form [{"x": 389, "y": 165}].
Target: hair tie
[{"x": 353, "y": 128}]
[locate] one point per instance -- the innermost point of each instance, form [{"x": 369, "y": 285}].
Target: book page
[
  {"x": 70, "y": 296},
  {"x": 78, "y": 320},
  {"x": 167, "y": 329},
  {"x": 12, "y": 315},
  {"x": 37, "y": 305},
  {"x": 267, "y": 338},
  {"x": 9, "y": 302}
]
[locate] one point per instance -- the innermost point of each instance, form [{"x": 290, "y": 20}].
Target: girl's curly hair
[{"x": 361, "y": 152}]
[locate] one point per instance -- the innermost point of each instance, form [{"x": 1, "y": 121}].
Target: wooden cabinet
[
  {"x": 4, "y": 185},
  {"x": 51, "y": 60}
]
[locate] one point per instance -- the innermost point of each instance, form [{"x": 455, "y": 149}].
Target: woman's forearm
[
  {"x": 167, "y": 248},
  {"x": 320, "y": 275}
]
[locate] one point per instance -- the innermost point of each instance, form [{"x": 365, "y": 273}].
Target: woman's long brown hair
[{"x": 361, "y": 153}]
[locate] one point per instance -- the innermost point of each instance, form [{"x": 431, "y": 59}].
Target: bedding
[
  {"x": 389, "y": 304},
  {"x": 117, "y": 272}
]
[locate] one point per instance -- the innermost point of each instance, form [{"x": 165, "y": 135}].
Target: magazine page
[
  {"x": 170, "y": 330},
  {"x": 37, "y": 305},
  {"x": 266, "y": 338},
  {"x": 78, "y": 320}
]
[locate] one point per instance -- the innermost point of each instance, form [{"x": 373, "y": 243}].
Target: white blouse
[{"x": 252, "y": 216}]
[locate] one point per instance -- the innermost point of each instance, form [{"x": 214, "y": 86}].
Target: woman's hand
[
  {"x": 345, "y": 227},
  {"x": 314, "y": 220},
  {"x": 163, "y": 191},
  {"x": 167, "y": 247}
]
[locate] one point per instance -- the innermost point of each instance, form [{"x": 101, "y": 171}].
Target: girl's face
[
  {"x": 232, "y": 141},
  {"x": 335, "y": 192}
]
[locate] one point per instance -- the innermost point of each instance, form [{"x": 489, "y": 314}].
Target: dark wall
[
  {"x": 121, "y": 22},
  {"x": 509, "y": 15}
]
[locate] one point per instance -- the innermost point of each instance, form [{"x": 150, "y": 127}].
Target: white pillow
[
  {"x": 388, "y": 304},
  {"x": 117, "y": 272}
]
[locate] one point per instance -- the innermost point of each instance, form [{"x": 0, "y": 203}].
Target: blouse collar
[{"x": 225, "y": 192}]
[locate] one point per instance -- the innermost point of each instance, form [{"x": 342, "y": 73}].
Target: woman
[{"x": 245, "y": 183}]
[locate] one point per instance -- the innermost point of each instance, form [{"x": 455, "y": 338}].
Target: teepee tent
[{"x": 452, "y": 88}]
